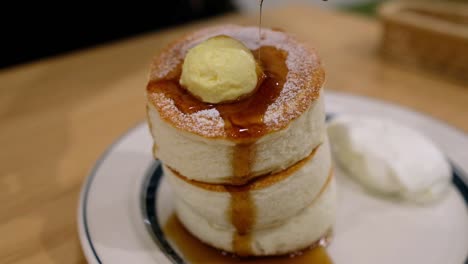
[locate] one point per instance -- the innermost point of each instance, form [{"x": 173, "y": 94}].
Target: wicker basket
[{"x": 431, "y": 35}]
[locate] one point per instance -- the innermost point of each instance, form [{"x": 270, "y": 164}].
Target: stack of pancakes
[{"x": 252, "y": 177}]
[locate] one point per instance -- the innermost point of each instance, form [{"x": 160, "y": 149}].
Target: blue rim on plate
[
  {"x": 151, "y": 214},
  {"x": 149, "y": 204}
]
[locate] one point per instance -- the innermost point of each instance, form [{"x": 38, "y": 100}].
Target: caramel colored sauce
[
  {"x": 260, "y": 15},
  {"x": 244, "y": 118},
  {"x": 242, "y": 213},
  {"x": 257, "y": 183},
  {"x": 244, "y": 123},
  {"x": 243, "y": 157},
  {"x": 247, "y": 119},
  {"x": 196, "y": 252}
]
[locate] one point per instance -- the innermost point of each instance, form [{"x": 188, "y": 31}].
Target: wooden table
[{"x": 58, "y": 115}]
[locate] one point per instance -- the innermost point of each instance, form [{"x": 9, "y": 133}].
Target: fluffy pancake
[
  {"x": 204, "y": 141},
  {"x": 275, "y": 197},
  {"x": 210, "y": 160},
  {"x": 304, "y": 80},
  {"x": 296, "y": 233},
  {"x": 251, "y": 176}
]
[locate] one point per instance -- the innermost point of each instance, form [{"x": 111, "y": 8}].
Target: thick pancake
[
  {"x": 296, "y": 233},
  {"x": 273, "y": 198},
  {"x": 302, "y": 85},
  {"x": 215, "y": 160},
  {"x": 278, "y": 125}
]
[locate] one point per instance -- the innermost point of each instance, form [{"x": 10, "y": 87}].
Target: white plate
[{"x": 116, "y": 225}]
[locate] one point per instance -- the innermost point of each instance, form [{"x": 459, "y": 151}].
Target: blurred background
[{"x": 40, "y": 29}]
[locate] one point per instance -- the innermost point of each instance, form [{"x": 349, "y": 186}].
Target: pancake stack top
[{"x": 253, "y": 176}]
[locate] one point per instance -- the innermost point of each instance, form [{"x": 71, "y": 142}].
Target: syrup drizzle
[
  {"x": 194, "y": 251},
  {"x": 243, "y": 157},
  {"x": 260, "y": 28},
  {"x": 244, "y": 123},
  {"x": 243, "y": 119},
  {"x": 242, "y": 214}
]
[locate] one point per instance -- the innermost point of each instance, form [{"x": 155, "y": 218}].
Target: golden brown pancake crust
[{"x": 304, "y": 81}]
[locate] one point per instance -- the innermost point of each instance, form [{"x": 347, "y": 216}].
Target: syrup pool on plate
[{"x": 194, "y": 251}]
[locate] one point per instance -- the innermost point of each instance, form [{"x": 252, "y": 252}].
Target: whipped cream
[{"x": 389, "y": 158}]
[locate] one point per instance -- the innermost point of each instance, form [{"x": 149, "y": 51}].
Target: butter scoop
[{"x": 220, "y": 69}]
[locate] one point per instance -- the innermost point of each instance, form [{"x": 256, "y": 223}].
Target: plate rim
[{"x": 83, "y": 229}]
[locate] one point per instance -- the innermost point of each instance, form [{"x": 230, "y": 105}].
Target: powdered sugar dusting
[
  {"x": 302, "y": 86},
  {"x": 205, "y": 122}
]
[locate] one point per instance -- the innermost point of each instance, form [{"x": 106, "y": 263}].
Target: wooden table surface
[{"x": 57, "y": 116}]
